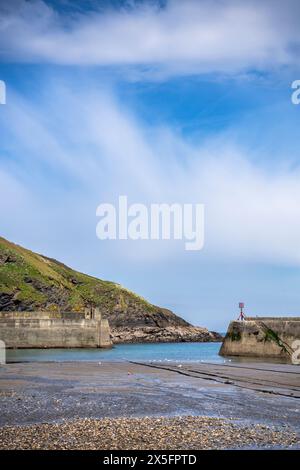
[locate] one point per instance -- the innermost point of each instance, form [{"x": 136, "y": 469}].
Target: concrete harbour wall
[
  {"x": 262, "y": 337},
  {"x": 53, "y": 330}
]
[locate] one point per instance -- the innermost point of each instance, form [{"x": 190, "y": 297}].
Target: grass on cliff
[{"x": 37, "y": 282}]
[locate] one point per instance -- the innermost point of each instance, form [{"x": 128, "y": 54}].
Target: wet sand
[{"x": 246, "y": 396}]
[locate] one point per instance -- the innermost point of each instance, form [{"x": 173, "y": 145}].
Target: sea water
[{"x": 158, "y": 352}]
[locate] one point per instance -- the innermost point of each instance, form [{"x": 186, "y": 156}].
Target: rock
[{"x": 169, "y": 334}]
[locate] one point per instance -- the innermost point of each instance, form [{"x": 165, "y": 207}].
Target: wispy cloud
[
  {"x": 96, "y": 149},
  {"x": 181, "y": 37}
]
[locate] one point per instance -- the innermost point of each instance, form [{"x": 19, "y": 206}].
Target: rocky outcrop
[{"x": 169, "y": 334}]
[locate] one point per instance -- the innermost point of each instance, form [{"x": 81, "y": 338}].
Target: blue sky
[{"x": 165, "y": 102}]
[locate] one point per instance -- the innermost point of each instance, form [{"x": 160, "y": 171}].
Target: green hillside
[{"x": 30, "y": 281}]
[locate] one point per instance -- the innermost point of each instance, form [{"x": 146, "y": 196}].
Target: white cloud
[
  {"x": 98, "y": 150},
  {"x": 184, "y": 37}
]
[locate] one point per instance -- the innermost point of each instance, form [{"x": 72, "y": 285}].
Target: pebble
[{"x": 176, "y": 433}]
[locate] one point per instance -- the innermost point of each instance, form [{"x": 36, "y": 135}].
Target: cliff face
[{"x": 32, "y": 282}]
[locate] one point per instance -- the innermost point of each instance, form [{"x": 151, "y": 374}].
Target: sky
[{"x": 162, "y": 101}]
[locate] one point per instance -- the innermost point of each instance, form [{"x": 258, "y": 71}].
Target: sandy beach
[{"x": 128, "y": 405}]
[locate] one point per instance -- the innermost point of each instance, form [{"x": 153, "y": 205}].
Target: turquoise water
[{"x": 178, "y": 352}]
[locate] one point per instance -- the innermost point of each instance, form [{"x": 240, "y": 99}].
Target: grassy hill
[{"x": 30, "y": 281}]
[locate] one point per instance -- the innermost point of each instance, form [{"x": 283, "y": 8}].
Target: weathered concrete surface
[
  {"x": 262, "y": 337},
  {"x": 104, "y": 334},
  {"x": 52, "y": 330},
  {"x": 274, "y": 379}
]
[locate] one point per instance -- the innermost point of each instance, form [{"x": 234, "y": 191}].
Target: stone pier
[
  {"x": 263, "y": 337},
  {"x": 40, "y": 329}
]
